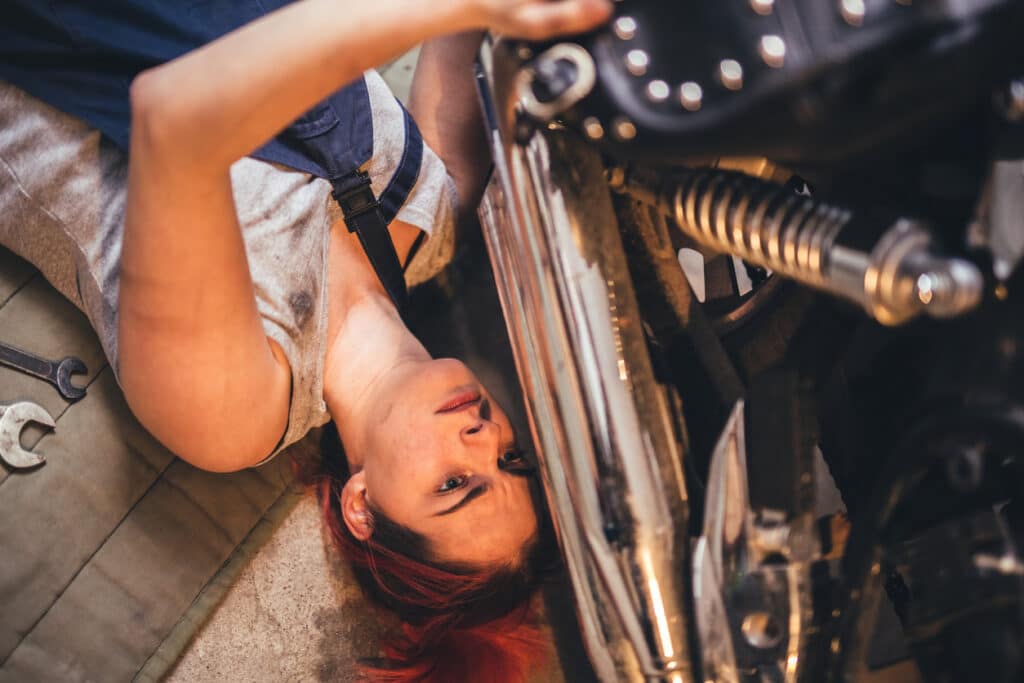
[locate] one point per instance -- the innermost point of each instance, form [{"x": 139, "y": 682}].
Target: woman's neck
[{"x": 367, "y": 342}]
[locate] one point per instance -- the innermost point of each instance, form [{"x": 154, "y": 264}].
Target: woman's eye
[
  {"x": 510, "y": 457},
  {"x": 451, "y": 484},
  {"x": 514, "y": 461}
]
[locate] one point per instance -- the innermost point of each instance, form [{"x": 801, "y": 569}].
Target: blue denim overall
[{"x": 80, "y": 57}]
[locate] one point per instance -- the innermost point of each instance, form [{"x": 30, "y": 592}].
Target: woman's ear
[{"x": 354, "y": 508}]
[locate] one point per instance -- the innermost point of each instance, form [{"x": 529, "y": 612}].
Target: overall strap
[
  {"x": 365, "y": 217},
  {"x": 369, "y": 217}
]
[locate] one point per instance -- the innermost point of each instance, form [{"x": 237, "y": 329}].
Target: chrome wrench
[{"x": 12, "y": 422}]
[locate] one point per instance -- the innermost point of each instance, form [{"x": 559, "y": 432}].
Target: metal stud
[
  {"x": 691, "y": 95},
  {"x": 853, "y": 11},
  {"x": 624, "y": 28},
  {"x": 762, "y": 7},
  {"x": 772, "y": 50},
  {"x": 624, "y": 129},
  {"x": 658, "y": 91},
  {"x": 730, "y": 73},
  {"x": 637, "y": 62},
  {"x": 593, "y": 128},
  {"x": 1014, "y": 109}
]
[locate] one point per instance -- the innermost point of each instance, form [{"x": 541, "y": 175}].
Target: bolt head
[
  {"x": 624, "y": 129},
  {"x": 730, "y": 73},
  {"x": 1014, "y": 101},
  {"x": 637, "y": 62},
  {"x": 762, "y": 7},
  {"x": 852, "y": 11},
  {"x": 624, "y": 28},
  {"x": 772, "y": 50},
  {"x": 691, "y": 95},
  {"x": 658, "y": 91},
  {"x": 593, "y": 128}
]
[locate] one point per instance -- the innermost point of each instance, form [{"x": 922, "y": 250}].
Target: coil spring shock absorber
[{"x": 894, "y": 278}]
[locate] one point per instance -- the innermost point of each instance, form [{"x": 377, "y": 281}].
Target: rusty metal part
[{"x": 12, "y": 423}]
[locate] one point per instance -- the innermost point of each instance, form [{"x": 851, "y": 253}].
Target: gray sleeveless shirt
[{"x": 62, "y": 200}]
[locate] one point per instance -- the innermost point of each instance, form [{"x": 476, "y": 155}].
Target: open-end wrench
[
  {"x": 56, "y": 373},
  {"x": 12, "y": 421}
]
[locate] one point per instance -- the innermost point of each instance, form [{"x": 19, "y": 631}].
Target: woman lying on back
[{"x": 238, "y": 310}]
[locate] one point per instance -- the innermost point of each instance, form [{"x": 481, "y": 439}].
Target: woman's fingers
[{"x": 540, "y": 19}]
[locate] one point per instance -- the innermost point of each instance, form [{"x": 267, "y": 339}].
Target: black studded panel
[{"x": 796, "y": 80}]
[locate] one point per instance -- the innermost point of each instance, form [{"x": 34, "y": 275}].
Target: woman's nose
[{"x": 479, "y": 431}]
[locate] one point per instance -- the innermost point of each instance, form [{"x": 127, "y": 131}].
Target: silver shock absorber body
[{"x": 898, "y": 278}]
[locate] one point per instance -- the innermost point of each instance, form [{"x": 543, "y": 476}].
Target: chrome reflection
[
  {"x": 608, "y": 456},
  {"x": 751, "y": 573}
]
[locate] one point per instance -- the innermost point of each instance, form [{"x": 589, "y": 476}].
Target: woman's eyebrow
[{"x": 473, "y": 494}]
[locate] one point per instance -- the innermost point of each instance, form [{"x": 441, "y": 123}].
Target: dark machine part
[
  {"x": 803, "y": 81},
  {"x": 923, "y": 430}
]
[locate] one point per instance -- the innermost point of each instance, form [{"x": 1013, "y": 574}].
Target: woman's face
[{"x": 440, "y": 460}]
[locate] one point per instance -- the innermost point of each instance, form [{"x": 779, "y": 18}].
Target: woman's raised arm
[{"x": 195, "y": 364}]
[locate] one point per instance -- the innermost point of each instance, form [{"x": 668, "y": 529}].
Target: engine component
[{"x": 895, "y": 279}]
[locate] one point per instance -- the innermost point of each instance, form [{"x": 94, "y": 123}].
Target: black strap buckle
[
  {"x": 357, "y": 200},
  {"x": 364, "y": 217}
]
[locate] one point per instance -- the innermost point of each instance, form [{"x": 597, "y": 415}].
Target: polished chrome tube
[{"x": 609, "y": 460}]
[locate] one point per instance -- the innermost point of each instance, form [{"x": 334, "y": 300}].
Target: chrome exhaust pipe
[{"x": 609, "y": 458}]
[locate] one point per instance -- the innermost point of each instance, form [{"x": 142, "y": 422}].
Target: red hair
[{"x": 459, "y": 623}]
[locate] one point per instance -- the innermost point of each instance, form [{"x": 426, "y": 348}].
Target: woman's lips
[{"x": 461, "y": 401}]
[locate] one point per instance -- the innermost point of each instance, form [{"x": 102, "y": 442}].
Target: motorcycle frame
[{"x": 609, "y": 457}]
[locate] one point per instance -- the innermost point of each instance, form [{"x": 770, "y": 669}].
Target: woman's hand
[{"x": 540, "y": 19}]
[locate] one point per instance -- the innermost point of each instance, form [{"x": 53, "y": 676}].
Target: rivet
[
  {"x": 637, "y": 62},
  {"x": 624, "y": 129},
  {"x": 691, "y": 95},
  {"x": 762, "y": 7},
  {"x": 852, "y": 11},
  {"x": 658, "y": 91},
  {"x": 1014, "y": 109},
  {"x": 524, "y": 53},
  {"x": 624, "y": 28},
  {"x": 773, "y": 51},
  {"x": 593, "y": 128},
  {"x": 730, "y": 73}
]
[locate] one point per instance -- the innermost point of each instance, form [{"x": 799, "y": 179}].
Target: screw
[
  {"x": 637, "y": 62},
  {"x": 624, "y": 129},
  {"x": 730, "y": 72},
  {"x": 852, "y": 11},
  {"x": 624, "y": 28},
  {"x": 773, "y": 51},
  {"x": 657, "y": 91},
  {"x": 691, "y": 95}
]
